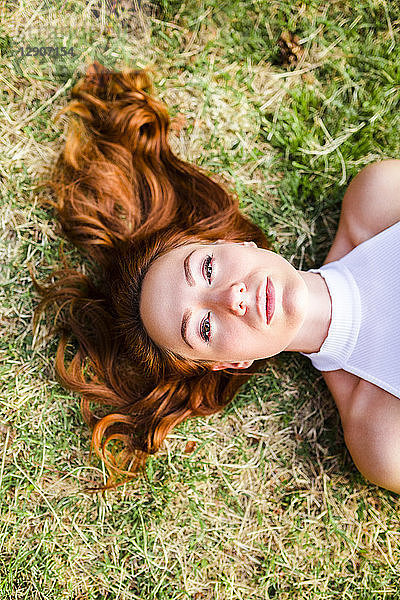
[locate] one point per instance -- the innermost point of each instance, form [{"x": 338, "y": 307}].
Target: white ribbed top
[{"x": 364, "y": 333}]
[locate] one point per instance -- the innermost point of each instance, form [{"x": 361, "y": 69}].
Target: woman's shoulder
[
  {"x": 370, "y": 205},
  {"x": 372, "y": 201}
]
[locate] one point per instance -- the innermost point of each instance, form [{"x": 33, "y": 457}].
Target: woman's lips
[{"x": 270, "y": 304}]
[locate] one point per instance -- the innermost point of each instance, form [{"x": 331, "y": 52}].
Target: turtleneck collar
[{"x": 345, "y": 321}]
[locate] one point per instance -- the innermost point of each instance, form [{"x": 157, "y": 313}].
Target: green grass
[{"x": 269, "y": 503}]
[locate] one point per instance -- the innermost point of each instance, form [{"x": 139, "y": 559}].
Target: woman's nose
[{"x": 233, "y": 298}]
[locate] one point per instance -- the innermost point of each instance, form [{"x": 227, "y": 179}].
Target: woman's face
[{"x": 210, "y": 302}]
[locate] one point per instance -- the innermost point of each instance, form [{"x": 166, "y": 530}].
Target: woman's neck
[{"x": 315, "y": 327}]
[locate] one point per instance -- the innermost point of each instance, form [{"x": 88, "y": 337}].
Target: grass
[{"x": 268, "y": 504}]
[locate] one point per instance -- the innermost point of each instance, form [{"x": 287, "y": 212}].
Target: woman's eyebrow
[
  {"x": 188, "y": 272},
  {"x": 186, "y": 317}
]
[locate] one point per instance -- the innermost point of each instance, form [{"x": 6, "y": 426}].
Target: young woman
[{"x": 186, "y": 299}]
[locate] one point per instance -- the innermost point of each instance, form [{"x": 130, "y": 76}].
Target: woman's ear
[{"x": 232, "y": 365}]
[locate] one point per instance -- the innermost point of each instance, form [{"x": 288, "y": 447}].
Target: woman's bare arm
[{"x": 372, "y": 434}]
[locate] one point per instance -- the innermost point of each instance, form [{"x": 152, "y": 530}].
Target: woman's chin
[{"x": 294, "y": 303}]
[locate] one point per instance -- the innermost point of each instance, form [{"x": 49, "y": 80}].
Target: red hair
[{"x": 123, "y": 199}]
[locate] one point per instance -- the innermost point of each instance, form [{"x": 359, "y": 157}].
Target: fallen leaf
[
  {"x": 190, "y": 446},
  {"x": 290, "y": 50}
]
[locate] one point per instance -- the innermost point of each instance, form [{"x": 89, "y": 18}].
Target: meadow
[{"x": 286, "y": 101}]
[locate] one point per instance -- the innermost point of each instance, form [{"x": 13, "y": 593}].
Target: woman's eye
[
  {"x": 206, "y": 329},
  {"x": 207, "y": 268}
]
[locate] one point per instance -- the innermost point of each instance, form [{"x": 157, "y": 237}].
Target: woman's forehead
[
  {"x": 162, "y": 277},
  {"x": 161, "y": 293},
  {"x": 157, "y": 279}
]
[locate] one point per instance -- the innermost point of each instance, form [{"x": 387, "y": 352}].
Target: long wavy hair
[{"x": 123, "y": 198}]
